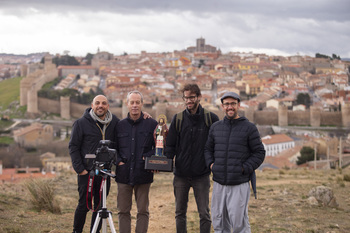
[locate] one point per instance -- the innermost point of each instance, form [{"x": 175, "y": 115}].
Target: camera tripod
[{"x": 104, "y": 214}]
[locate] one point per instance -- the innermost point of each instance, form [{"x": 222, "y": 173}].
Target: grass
[
  {"x": 281, "y": 205},
  {"x": 42, "y": 195},
  {"x": 9, "y": 91},
  {"x": 5, "y": 123},
  {"x": 6, "y": 140}
]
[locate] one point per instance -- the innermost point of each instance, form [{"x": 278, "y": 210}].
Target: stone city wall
[
  {"x": 303, "y": 118},
  {"x": 266, "y": 117},
  {"x": 299, "y": 118},
  {"x": 331, "y": 119},
  {"x": 48, "y": 105}
]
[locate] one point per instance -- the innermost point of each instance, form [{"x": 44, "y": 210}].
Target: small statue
[{"x": 160, "y": 133}]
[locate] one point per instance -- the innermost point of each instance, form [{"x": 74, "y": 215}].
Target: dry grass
[
  {"x": 281, "y": 205},
  {"x": 42, "y": 195}
]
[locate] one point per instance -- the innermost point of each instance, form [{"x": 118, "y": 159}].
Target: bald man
[{"x": 97, "y": 123}]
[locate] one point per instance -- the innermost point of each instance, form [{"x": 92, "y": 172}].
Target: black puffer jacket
[
  {"x": 135, "y": 142},
  {"x": 188, "y": 145},
  {"x": 85, "y": 138},
  {"x": 235, "y": 148}
]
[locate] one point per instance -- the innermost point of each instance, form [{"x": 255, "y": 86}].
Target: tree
[
  {"x": 65, "y": 60},
  {"x": 201, "y": 63},
  {"x": 318, "y": 55},
  {"x": 303, "y": 98},
  {"x": 88, "y": 58},
  {"x": 306, "y": 154},
  {"x": 334, "y": 56}
]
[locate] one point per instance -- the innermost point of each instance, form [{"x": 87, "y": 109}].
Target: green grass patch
[
  {"x": 6, "y": 140},
  {"x": 9, "y": 91},
  {"x": 5, "y": 123}
]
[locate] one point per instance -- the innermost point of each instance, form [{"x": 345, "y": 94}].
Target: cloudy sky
[{"x": 274, "y": 27}]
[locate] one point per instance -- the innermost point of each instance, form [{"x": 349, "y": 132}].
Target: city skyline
[{"x": 272, "y": 27}]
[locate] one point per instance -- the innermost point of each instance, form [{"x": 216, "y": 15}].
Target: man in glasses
[
  {"x": 233, "y": 151},
  {"x": 187, "y": 135}
]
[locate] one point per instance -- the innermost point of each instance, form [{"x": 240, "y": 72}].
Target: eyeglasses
[
  {"x": 191, "y": 98},
  {"x": 233, "y": 104}
]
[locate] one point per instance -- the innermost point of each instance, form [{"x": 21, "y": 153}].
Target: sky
[{"x": 273, "y": 27}]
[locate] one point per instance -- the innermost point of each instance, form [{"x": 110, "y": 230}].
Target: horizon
[{"x": 66, "y": 52}]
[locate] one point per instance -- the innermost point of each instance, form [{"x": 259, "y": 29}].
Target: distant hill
[
  {"x": 42, "y": 54},
  {"x": 345, "y": 59},
  {"x": 9, "y": 91}
]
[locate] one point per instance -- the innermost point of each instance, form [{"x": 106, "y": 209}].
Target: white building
[{"x": 275, "y": 144}]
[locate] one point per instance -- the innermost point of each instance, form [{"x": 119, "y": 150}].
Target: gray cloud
[{"x": 287, "y": 26}]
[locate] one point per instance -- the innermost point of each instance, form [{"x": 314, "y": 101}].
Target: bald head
[{"x": 100, "y": 106}]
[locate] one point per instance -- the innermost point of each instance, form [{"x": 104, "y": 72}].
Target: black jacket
[
  {"x": 188, "y": 145},
  {"x": 85, "y": 138},
  {"x": 235, "y": 148},
  {"x": 135, "y": 142}
]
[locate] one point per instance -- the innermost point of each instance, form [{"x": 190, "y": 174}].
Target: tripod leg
[
  {"x": 111, "y": 225},
  {"x": 97, "y": 221},
  {"x": 104, "y": 225}
]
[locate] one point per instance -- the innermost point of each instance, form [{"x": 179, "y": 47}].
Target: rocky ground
[{"x": 283, "y": 205}]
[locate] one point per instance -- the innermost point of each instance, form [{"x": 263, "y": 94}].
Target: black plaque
[{"x": 159, "y": 163}]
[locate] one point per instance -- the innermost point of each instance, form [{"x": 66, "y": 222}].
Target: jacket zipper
[
  {"x": 103, "y": 135},
  {"x": 226, "y": 157}
]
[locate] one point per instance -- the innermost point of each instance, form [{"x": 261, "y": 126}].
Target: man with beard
[
  {"x": 187, "y": 135},
  {"x": 97, "y": 123},
  {"x": 233, "y": 151}
]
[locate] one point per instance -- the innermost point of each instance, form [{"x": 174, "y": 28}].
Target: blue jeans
[{"x": 201, "y": 186}]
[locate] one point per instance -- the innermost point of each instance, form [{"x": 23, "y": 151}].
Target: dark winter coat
[
  {"x": 187, "y": 146},
  {"x": 135, "y": 143},
  {"x": 235, "y": 148},
  {"x": 85, "y": 137}
]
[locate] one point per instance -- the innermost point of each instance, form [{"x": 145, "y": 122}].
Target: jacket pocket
[{"x": 123, "y": 140}]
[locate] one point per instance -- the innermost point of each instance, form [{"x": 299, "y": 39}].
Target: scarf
[{"x": 105, "y": 122}]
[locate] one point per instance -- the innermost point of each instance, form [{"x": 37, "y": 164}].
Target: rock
[
  {"x": 312, "y": 200},
  {"x": 324, "y": 195}
]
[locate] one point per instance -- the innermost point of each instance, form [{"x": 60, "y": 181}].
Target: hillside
[
  {"x": 281, "y": 206},
  {"x": 9, "y": 91}
]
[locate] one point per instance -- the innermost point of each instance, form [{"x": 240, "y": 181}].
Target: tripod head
[{"x": 104, "y": 158}]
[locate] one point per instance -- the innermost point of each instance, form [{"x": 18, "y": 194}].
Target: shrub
[
  {"x": 42, "y": 195},
  {"x": 306, "y": 154},
  {"x": 347, "y": 177}
]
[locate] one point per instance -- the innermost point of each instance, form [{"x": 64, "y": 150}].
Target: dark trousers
[
  {"x": 201, "y": 186},
  {"x": 124, "y": 205},
  {"x": 82, "y": 209}
]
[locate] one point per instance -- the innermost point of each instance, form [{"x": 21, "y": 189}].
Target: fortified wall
[
  {"x": 283, "y": 117},
  {"x": 313, "y": 117},
  {"x": 68, "y": 110},
  {"x": 36, "y": 76}
]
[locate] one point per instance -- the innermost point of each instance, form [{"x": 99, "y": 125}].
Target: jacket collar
[
  {"x": 233, "y": 121},
  {"x": 195, "y": 116},
  {"x": 131, "y": 121},
  {"x": 199, "y": 110}
]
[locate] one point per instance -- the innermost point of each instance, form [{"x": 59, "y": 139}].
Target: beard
[
  {"x": 194, "y": 105},
  {"x": 100, "y": 112},
  {"x": 231, "y": 116}
]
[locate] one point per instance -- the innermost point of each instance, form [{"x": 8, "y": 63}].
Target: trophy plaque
[{"x": 158, "y": 161}]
